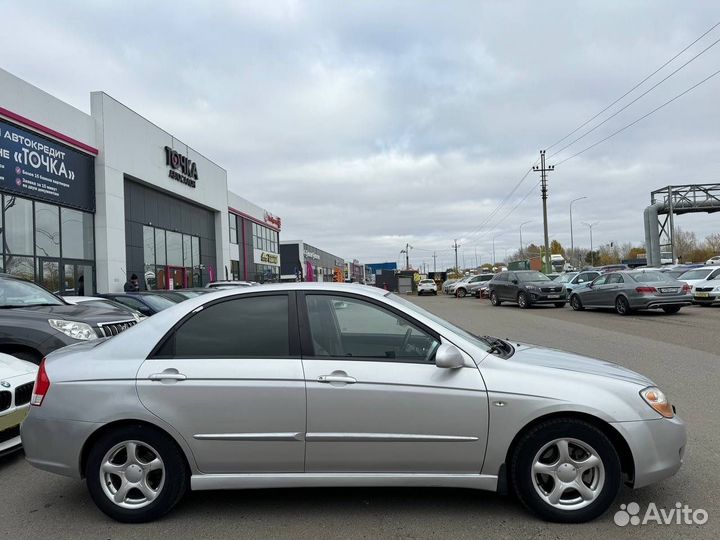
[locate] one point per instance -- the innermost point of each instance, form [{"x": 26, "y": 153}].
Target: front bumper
[
  {"x": 711, "y": 298},
  {"x": 55, "y": 445},
  {"x": 547, "y": 298},
  {"x": 657, "y": 446}
]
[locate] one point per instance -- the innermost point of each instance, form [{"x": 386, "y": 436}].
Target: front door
[
  {"x": 230, "y": 380},
  {"x": 176, "y": 278},
  {"x": 376, "y": 402}
]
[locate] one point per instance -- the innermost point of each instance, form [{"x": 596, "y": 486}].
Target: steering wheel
[{"x": 406, "y": 339}]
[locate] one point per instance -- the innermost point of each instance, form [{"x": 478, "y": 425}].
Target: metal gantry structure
[{"x": 667, "y": 202}]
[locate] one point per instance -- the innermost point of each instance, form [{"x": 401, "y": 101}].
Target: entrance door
[
  {"x": 49, "y": 275},
  {"x": 176, "y": 278},
  {"x": 77, "y": 278}
]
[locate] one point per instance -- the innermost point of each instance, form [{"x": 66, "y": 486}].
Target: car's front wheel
[
  {"x": 523, "y": 300},
  {"x": 460, "y": 293},
  {"x": 494, "y": 300},
  {"x": 576, "y": 303},
  {"x": 566, "y": 470},
  {"x": 136, "y": 474}
]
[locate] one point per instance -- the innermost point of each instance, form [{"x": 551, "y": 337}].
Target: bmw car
[
  {"x": 320, "y": 384},
  {"x": 16, "y": 383}
]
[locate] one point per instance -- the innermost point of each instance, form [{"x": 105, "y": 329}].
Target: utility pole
[
  {"x": 592, "y": 253},
  {"x": 543, "y": 170},
  {"x": 476, "y": 259},
  {"x": 522, "y": 248},
  {"x": 434, "y": 262},
  {"x": 455, "y": 246}
]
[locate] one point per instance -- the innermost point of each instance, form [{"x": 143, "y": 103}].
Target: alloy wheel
[
  {"x": 568, "y": 474},
  {"x": 622, "y": 306},
  {"x": 132, "y": 474}
]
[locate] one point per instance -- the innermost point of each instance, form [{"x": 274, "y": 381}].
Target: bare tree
[
  {"x": 685, "y": 243},
  {"x": 712, "y": 242}
]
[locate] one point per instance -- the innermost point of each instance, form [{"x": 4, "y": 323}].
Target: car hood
[
  {"x": 12, "y": 367},
  {"x": 80, "y": 313},
  {"x": 564, "y": 361},
  {"x": 542, "y": 283}
]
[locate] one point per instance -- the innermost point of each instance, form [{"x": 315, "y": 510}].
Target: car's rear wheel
[
  {"x": 671, "y": 309},
  {"x": 576, "y": 303},
  {"x": 136, "y": 474},
  {"x": 494, "y": 300},
  {"x": 566, "y": 470},
  {"x": 622, "y": 306},
  {"x": 523, "y": 300},
  {"x": 460, "y": 293}
]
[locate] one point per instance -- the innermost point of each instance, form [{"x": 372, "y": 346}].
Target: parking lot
[{"x": 679, "y": 352}]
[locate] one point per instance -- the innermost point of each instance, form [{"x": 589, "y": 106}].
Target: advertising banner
[{"x": 37, "y": 167}]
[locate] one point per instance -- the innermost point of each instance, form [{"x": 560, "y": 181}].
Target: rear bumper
[
  {"x": 657, "y": 446},
  {"x": 659, "y": 302},
  {"x": 55, "y": 445}
]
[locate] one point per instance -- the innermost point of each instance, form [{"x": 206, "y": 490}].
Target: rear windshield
[
  {"x": 649, "y": 277},
  {"x": 532, "y": 276},
  {"x": 426, "y": 281}
]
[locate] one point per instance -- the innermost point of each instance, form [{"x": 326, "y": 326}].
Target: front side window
[
  {"x": 254, "y": 327},
  {"x": 351, "y": 328},
  {"x": 600, "y": 281}
]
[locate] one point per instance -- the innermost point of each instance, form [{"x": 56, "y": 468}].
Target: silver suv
[{"x": 468, "y": 285}]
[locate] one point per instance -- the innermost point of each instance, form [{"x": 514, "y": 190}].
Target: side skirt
[{"x": 200, "y": 482}]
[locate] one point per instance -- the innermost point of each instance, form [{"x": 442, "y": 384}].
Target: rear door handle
[
  {"x": 336, "y": 378},
  {"x": 167, "y": 376}
]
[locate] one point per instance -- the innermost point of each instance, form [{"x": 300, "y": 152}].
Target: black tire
[
  {"x": 576, "y": 303},
  {"x": 175, "y": 482},
  {"x": 622, "y": 306},
  {"x": 671, "y": 309},
  {"x": 461, "y": 292},
  {"x": 434, "y": 293},
  {"x": 559, "y": 304},
  {"x": 28, "y": 356},
  {"x": 523, "y": 481},
  {"x": 523, "y": 300},
  {"x": 494, "y": 300},
  {"x": 419, "y": 293}
]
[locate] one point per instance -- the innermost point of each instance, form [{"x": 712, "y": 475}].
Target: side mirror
[
  {"x": 448, "y": 356},
  {"x": 515, "y": 281}
]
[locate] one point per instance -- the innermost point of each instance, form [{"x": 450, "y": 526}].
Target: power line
[
  {"x": 588, "y": 132},
  {"x": 633, "y": 88},
  {"x": 639, "y": 119}
]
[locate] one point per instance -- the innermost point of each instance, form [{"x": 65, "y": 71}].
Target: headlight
[
  {"x": 654, "y": 397},
  {"x": 75, "y": 330},
  {"x": 531, "y": 287}
]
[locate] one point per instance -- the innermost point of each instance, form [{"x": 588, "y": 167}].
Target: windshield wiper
[{"x": 498, "y": 346}]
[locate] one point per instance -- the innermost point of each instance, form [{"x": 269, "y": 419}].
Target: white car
[
  {"x": 713, "y": 260},
  {"x": 698, "y": 276},
  {"x": 426, "y": 286},
  {"x": 16, "y": 384}
]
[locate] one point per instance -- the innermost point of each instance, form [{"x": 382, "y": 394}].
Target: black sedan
[
  {"x": 526, "y": 288},
  {"x": 146, "y": 302}
]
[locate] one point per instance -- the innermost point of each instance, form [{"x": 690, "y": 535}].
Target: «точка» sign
[
  {"x": 182, "y": 168},
  {"x": 37, "y": 167}
]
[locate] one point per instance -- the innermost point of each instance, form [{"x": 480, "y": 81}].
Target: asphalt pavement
[{"x": 679, "y": 352}]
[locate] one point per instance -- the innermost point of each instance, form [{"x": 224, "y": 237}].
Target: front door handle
[
  {"x": 336, "y": 379},
  {"x": 167, "y": 376}
]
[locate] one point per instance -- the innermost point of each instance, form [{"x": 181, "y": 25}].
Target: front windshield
[
  {"x": 16, "y": 293},
  {"x": 649, "y": 277},
  {"x": 700, "y": 273},
  {"x": 442, "y": 322},
  {"x": 158, "y": 302},
  {"x": 532, "y": 276},
  {"x": 565, "y": 278}
]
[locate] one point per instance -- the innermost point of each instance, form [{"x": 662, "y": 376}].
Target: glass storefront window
[
  {"x": 49, "y": 276},
  {"x": 18, "y": 226},
  {"x": 187, "y": 251},
  {"x": 233, "y": 228},
  {"x": 174, "y": 248},
  {"x": 47, "y": 230},
  {"x": 22, "y": 267},
  {"x": 77, "y": 234},
  {"x": 197, "y": 274},
  {"x": 159, "y": 246}
]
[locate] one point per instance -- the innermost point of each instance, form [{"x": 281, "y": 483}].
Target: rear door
[
  {"x": 229, "y": 378},
  {"x": 376, "y": 401}
]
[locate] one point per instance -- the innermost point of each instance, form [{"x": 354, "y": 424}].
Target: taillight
[
  {"x": 42, "y": 385},
  {"x": 686, "y": 288},
  {"x": 646, "y": 290}
]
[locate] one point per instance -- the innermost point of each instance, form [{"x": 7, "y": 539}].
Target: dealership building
[
  {"x": 90, "y": 199},
  {"x": 304, "y": 262}
]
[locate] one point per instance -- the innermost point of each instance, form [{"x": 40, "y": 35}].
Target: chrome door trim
[
  {"x": 200, "y": 482},
  {"x": 385, "y": 437},
  {"x": 248, "y": 436}
]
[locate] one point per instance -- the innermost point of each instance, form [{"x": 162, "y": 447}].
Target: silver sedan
[
  {"x": 632, "y": 290},
  {"x": 315, "y": 385}
]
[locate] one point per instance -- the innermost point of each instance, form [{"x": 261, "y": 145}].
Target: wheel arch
[
  {"x": 111, "y": 426},
  {"x": 627, "y": 462},
  {"x": 13, "y": 348}
]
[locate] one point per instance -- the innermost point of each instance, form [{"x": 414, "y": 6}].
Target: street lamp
[
  {"x": 521, "y": 242},
  {"x": 493, "y": 242},
  {"x": 572, "y": 242},
  {"x": 592, "y": 253}
]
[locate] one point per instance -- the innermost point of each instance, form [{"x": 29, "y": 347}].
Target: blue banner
[{"x": 37, "y": 167}]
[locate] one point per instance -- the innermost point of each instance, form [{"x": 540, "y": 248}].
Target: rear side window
[
  {"x": 501, "y": 277},
  {"x": 615, "y": 278},
  {"x": 255, "y": 327}
]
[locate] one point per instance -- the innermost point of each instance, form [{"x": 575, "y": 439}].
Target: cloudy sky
[{"x": 368, "y": 124}]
